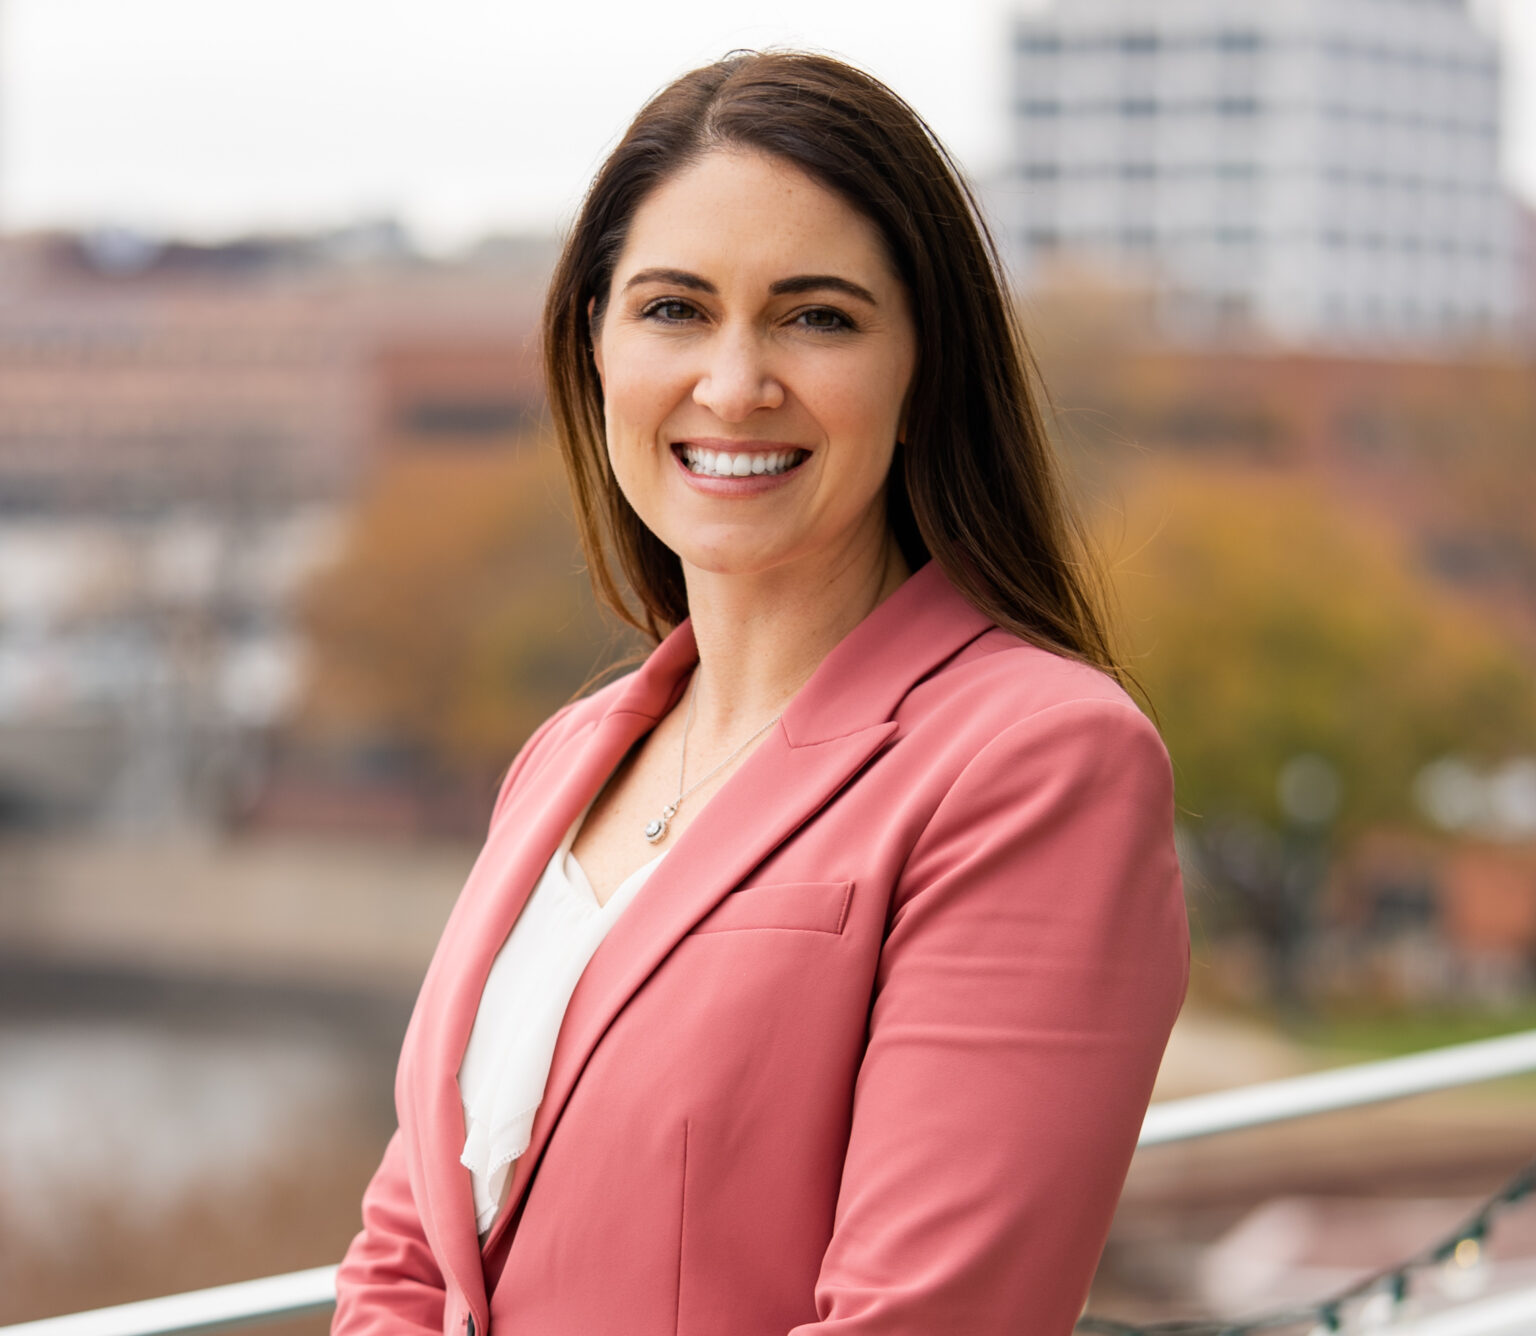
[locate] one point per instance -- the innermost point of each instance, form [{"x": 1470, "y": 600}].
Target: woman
[{"x": 848, "y": 930}]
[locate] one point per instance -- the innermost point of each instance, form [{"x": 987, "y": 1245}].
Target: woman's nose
[{"x": 736, "y": 379}]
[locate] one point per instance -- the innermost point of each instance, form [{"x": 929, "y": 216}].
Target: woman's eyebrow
[
  {"x": 681, "y": 278},
  {"x": 820, "y": 282}
]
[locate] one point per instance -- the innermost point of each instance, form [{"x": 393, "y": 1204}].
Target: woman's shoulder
[
  {"x": 1011, "y": 736},
  {"x": 998, "y": 680}
]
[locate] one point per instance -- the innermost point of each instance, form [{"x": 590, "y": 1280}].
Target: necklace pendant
[{"x": 656, "y": 830}]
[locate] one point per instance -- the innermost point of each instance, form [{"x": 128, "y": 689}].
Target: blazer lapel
[
  {"x": 526, "y": 834},
  {"x": 836, "y": 724},
  {"x": 781, "y": 786}
]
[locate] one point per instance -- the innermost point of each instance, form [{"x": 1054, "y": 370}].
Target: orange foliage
[
  {"x": 1267, "y": 619},
  {"x": 458, "y": 617}
]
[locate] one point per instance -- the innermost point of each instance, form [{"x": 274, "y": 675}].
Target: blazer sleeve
[
  {"x": 389, "y": 1283},
  {"x": 1036, "y": 958}
]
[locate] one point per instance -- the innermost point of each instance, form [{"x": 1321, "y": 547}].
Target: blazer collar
[
  {"x": 837, "y": 722},
  {"x": 870, "y": 671}
]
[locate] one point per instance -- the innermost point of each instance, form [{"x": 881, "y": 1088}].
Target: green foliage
[{"x": 1267, "y": 621}]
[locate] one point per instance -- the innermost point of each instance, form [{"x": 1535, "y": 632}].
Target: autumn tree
[
  {"x": 1275, "y": 629},
  {"x": 1267, "y": 619},
  {"x": 458, "y": 617}
]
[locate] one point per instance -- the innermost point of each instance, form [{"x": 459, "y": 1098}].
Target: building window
[
  {"x": 1237, "y": 106},
  {"x": 1041, "y": 171},
  {"x": 1040, "y": 43},
  {"x": 1138, "y": 171},
  {"x": 1040, "y": 107},
  {"x": 1138, "y": 106},
  {"x": 1139, "y": 42}
]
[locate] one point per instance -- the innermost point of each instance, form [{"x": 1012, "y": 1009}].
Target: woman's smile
[
  {"x": 727, "y": 460},
  {"x": 723, "y": 468}
]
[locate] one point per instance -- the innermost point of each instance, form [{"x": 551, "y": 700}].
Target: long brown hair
[{"x": 975, "y": 484}]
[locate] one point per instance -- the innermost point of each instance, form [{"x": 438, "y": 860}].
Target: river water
[{"x": 139, "y": 1156}]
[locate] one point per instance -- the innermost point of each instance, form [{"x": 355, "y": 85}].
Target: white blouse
[{"x": 506, "y": 1066}]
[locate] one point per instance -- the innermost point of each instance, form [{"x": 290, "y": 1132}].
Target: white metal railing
[
  {"x": 296, "y": 1294},
  {"x": 1342, "y": 1088},
  {"x": 1511, "y": 1314},
  {"x": 300, "y": 1293}
]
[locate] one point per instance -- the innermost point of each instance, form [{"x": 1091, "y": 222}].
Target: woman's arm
[
  {"x": 389, "y": 1283},
  {"x": 1036, "y": 959}
]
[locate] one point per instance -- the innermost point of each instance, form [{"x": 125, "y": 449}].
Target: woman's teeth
[{"x": 721, "y": 464}]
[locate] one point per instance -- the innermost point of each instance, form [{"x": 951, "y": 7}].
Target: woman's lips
[{"x": 738, "y": 468}]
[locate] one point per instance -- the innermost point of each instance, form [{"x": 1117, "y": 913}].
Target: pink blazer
[{"x": 870, "y": 1051}]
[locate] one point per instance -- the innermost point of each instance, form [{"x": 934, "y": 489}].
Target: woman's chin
[{"x": 730, "y": 561}]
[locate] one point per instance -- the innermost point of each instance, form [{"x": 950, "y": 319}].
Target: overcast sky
[{"x": 211, "y": 117}]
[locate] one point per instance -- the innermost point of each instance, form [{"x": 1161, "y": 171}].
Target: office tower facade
[{"x": 1322, "y": 171}]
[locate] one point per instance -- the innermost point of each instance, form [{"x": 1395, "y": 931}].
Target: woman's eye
[
  {"x": 824, "y": 317},
  {"x": 669, "y": 310}
]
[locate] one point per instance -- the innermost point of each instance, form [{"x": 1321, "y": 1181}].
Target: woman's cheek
[{"x": 639, "y": 400}]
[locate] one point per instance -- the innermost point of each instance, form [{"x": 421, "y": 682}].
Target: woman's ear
[{"x": 593, "y": 342}]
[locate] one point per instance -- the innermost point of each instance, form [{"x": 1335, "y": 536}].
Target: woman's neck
[{"x": 760, "y": 637}]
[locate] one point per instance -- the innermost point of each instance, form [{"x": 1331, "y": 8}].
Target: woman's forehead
[{"x": 737, "y": 216}]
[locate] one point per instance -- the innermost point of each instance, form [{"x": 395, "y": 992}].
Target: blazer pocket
[{"x": 802, "y": 906}]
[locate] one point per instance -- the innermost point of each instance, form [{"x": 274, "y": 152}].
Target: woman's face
[{"x": 756, "y": 354}]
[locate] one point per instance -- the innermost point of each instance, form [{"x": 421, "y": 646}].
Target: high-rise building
[{"x": 1322, "y": 171}]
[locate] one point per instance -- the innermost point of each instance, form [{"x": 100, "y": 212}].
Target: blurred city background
[{"x": 287, "y": 571}]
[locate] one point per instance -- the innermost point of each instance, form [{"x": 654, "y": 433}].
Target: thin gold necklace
[{"x": 656, "y": 829}]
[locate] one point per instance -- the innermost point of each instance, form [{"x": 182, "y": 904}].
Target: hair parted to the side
[{"x": 975, "y": 485}]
